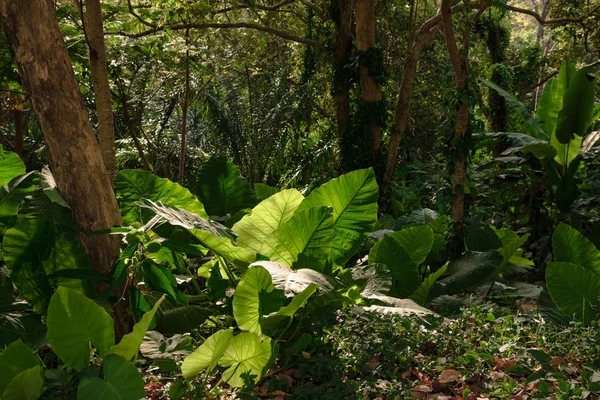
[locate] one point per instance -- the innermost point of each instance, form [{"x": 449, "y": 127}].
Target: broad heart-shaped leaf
[
  {"x": 246, "y": 299},
  {"x": 27, "y": 385},
  {"x": 574, "y": 289},
  {"x": 577, "y": 107},
  {"x": 122, "y": 381},
  {"x": 156, "y": 346},
  {"x": 255, "y": 228},
  {"x": 480, "y": 237},
  {"x": 532, "y": 125},
  {"x": 222, "y": 189},
  {"x": 292, "y": 282},
  {"x": 570, "y": 246},
  {"x": 417, "y": 242},
  {"x": 264, "y": 191},
  {"x": 74, "y": 321},
  {"x": 272, "y": 320},
  {"x": 14, "y": 192},
  {"x": 421, "y": 295},
  {"x": 304, "y": 241},
  {"x": 224, "y": 247},
  {"x": 353, "y": 197},
  {"x": 11, "y": 166},
  {"x": 16, "y": 358},
  {"x": 402, "y": 307},
  {"x": 207, "y": 355},
  {"x": 373, "y": 280},
  {"x": 33, "y": 253},
  {"x": 177, "y": 216},
  {"x": 405, "y": 274},
  {"x": 471, "y": 270},
  {"x": 247, "y": 354},
  {"x": 130, "y": 344},
  {"x": 132, "y": 186}
]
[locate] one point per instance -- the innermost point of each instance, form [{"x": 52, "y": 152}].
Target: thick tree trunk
[
  {"x": 460, "y": 64},
  {"x": 342, "y": 74},
  {"x": 365, "y": 40},
  {"x": 423, "y": 38},
  {"x": 106, "y": 128},
  {"x": 76, "y": 162}
]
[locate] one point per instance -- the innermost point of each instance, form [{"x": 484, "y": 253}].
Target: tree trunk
[
  {"x": 423, "y": 38},
  {"x": 365, "y": 41},
  {"x": 184, "y": 111},
  {"x": 460, "y": 64},
  {"x": 76, "y": 161},
  {"x": 106, "y": 125},
  {"x": 342, "y": 74},
  {"x": 131, "y": 128}
]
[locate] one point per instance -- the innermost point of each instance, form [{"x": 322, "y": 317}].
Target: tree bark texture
[
  {"x": 365, "y": 40},
  {"x": 106, "y": 125},
  {"x": 76, "y": 162},
  {"x": 460, "y": 64},
  {"x": 423, "y": 38},
  {"x": 342, "y": 74}
]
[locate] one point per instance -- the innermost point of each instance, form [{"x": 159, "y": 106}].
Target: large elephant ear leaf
[
  {"x": 247, "y": 354},
  {"x": 574, "y": 289},
  {"x": 570, "y": 246},
  {"x": 292, "y": 282},
  {"x": 273, "y": 319},
  {"x": 74, "y": 322},
  {"x": 421, "y": 295},
  {"x": 207, "y": 355},
  {"x": 222, "y": 189},
  {"x": 247, "y": 298},
  {"x": 11, "y": 166},
  {"x": 405, "y": 274},
  {"x": 121, "y": 381},
  {"x": 353, "y": 197},
  {"x": 304, "y": 241},
  {"x": 577, "y": 107},
  {"x": 255, "y": 228},
  {"x": 416, "y": 240},
  {"x": 16, "y": 358},
  {"x": 472, "y": 270},
  {"x": 132, "y": 186}
]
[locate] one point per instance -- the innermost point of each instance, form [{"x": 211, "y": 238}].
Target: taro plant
[
  {"x": 573, "y": 278},
  {"x": 558, "y": 133}
]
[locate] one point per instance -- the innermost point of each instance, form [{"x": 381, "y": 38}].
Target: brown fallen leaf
[
  {"x": 503, "y": 364},
  {"x": 449, "y": 376}
]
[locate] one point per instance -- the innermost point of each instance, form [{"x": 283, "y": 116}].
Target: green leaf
[
  {"x": 33, "y": 254},
  {"x": 11, "y": 166},
  {"x": 566, "y": 153},
  {"x": 246, "y": 354},
  {"x": 50, "y": 189},
  {"x": 74, "y": 321},
  {"x": 292, "y": 282},
  {"x": 27, "y": 385},
  {"x": 353, "y": 197},
  {"x": 223, "y": 247},
  {"x": 16, "y": 358},
  {"x": 255, "y": 228},
  {"x": 222, "y": 189},
  {"x": 264, "y": 191},
  {"x": 533, "y": 125},
  {"x": 417, "y": 241},
  {"x": 551, "y": 101},
  {"x": 130, "y": 344},
  {"x": 574, "y": 289},
  {"x": 132, "y": 186},
  {"x": 480, "y": 237},
  {"x": 570, "y": 246},
  {"x": 471, "y": 270},
  {"x": 161, "y": 280},
  {"x": 421, "y": 295},
  {"x": 577, "y": 107},
  {"x": 304, "y": 241},
  {"x": 13, "y": 193},
  {"x": 122, "y": 381},
  {"x": 207, "y": 355},
  {"x": 156, "y": 346},
  {"x": 372, "y": 280},
  {"x": 401, "y": 307},
  {"x": 405, "y": 274},
  {"x": 183, "y": 319},
  {"x": 272, "y": 320},
  {"x": 246, "y": 299}
]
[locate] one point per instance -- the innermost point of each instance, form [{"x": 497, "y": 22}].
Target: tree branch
[
  {"x": 275, "y": 7},
  {"x": 216, "y": 25}
]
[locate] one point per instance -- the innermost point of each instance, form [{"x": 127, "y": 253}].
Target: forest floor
[{"x": 487, "y": 352}]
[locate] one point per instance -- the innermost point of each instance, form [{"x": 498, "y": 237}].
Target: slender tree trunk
[
  {"x": 365, "y": 40},
  {"x": 106, "y": 125},
  {"x": 184, "y": 110},
  {"x": 76, "y": 162},
  {"x": 544, "y": 45},
  {"x": 342, "y": 74},
  {"x": 131, "y": 128},
  {"x": 423, "y": 38},
  {"x": 460, "y": 64}
]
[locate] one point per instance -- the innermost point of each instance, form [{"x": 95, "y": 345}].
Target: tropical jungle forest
[{"x": 299, "y": 199}]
